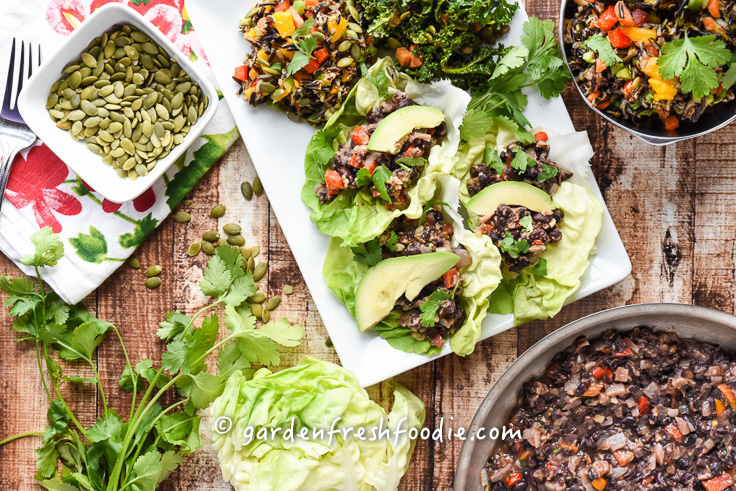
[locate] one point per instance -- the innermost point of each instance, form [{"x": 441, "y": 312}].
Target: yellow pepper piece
[
  {"x": 638, "y": 33},
  {"x": 284, "y": 23},
  {"x": 664, "y": 90},
  {"x": 720, "y": 407},
  {"x": 339, "y": 28},
  {"x": 287, "y": 54},
  {"x": 599, "y": 484}
]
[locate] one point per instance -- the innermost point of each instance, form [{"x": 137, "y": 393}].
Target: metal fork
[{"x": 14, "y": 134}]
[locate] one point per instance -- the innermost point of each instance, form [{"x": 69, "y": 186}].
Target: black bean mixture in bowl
[
  {"x": 396, "y": 175},
  {"x": 616, "y": 53},
  {"x": 431, "y": 233},
  {"x": 519, "y": 233},
  {"x": 641, "y": 410}
]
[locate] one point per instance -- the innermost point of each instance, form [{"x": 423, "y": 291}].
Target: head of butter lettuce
[
  {"x": 312, "y": 395},
  {"x": 531, "y": 296},
  {"x": 480, "y": 279},
  {"x": 356, "y": 216}
]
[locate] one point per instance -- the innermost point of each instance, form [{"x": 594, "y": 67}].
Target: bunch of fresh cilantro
[
  {"x": 139, "y": 454},
  {"x": 536, "y": 63}
]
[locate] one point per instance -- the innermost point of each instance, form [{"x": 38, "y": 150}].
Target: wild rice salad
[
  {"x": 619, "y": 54},
  {"x": 519, "y": 233},
  {"x": 305, "y": 55},
  {"x": 629, "y": 411}
]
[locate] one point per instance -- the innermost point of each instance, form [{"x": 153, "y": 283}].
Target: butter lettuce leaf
[{"x": 312, "y": 395}]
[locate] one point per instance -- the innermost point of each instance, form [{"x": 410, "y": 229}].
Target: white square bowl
[{"x": 86, "y": 164}]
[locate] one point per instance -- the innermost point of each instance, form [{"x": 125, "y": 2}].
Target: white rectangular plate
[{"x": 277, "y": 147}]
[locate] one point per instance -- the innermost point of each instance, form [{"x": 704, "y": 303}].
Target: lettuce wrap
[
  {"x": 312, "y": 396},
  {"x": 536, "y": 293},
  {"x": 356, "y": 216},
  {"x": 479, "y": 279}
]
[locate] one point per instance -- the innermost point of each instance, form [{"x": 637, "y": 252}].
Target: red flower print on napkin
[
  {"x": 142, "y": 203},
  {"x": 34, "y": 181}
]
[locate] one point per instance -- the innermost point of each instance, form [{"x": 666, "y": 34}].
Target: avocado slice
[
  {"x": 385, "y": 282},
  {"x": 392, "y": 130},
  {"x": 511, "y": 193}
]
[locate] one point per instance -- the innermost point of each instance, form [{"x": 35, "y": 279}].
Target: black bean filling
[
  {"x": 448, "y": 318},
  {"x": 352, "y": 157},
  {"x": 417, "y": 237},
  {"x": 635, "y": 411},
  {"x": 543, "y": 230},
  {"x": 482, "y": 176}
]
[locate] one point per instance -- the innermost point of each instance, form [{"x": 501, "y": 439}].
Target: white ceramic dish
[
  {"x": 277, "y": 147},
  {"x": 85, "y": 164}
]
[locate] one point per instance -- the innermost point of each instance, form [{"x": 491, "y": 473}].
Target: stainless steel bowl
[
  {"x": 688, "y": 321},
  {"x": 717, "y": 118}
]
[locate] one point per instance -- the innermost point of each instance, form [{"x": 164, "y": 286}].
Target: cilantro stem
[
  {"x": 40, "y": 370},
  {"x": 99, "y": 385},
  {"x": 19, "y": 436},
  {"x": 61, "y": 397},
  {"x": 127, "y": 363}
]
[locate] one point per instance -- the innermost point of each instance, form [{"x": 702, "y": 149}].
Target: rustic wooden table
[{"x": 671, "y": 205}]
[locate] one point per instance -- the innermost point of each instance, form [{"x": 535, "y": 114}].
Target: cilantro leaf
[
  {"x": 694, "y": 60},
  {"x": 307, "y": 45},
  {"x": 368, "y": 253},
  {"x": 412, "y": 161},
  {"x": 540, "y": 268},
  {"x": 515, "y": 57},
  {"x": 431, "y": 204},
  {"x": 48, "y": 249},
  {"x": 217, "y": 278},
  {"x": 83, "y": 341},
  {"x": 109, "y": 427},
  {"x": 602, "y": 47},
  {"x": 380, "y": 176},
  {"x": 431, "y": 305},
  {"x": 175, "y": 324},
  {"x": 521, "y": 160},
  {"x": 303, "y": 29},
  {"x": 380, "y": 81},
  {"x": 728, "y": 78},
  {"x": 493, "y": 160},
  {"x": 548, "y": 172},
  {"x": 526, "y": 223},
  {"x": 363, "y": 178},
  {"x": 283, "y": 332},
  {"x": 514, "y": 248},
  {"x": 201, "y": 388},
  {"x": 476, "y": 124},
  {"x": 392, "y": 240},
  {"x": 299, "y": 61},
  {"x": 152, "y": 468},
  {"x": 322, "y": 149}
]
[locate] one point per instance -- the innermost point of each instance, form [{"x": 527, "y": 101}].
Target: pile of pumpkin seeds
[{"x": 128, "y": 100}]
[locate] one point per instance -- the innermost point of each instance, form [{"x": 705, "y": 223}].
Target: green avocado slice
[
  {"x": 391, "y": 131},
  {"x": 511, "y": 193},
  {"x": 384, "y": 283}
]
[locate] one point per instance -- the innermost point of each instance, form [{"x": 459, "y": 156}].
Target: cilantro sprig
[
  {"x": 514, "y": 248},
  {"x": 305, "y": 45},
  {"x": 113, "y": 455},
  {"x": 431, "y": 305},
  {"x": 604, "y": 50},
  {"x": 694, "y": 60}
]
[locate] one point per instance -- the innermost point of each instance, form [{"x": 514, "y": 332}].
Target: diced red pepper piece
[
  {"x": 719, "y": 483},
  {"x": 623, "y": 456},
  {"x": 437, "y": 340},
  {"x": 334, "y": 182},
  {"x": 608, "y": 19},
  {"x": 624, "y": 14},
  {"x": 360, "y": 136},
  {"x": 598, "y": 373},
  {"x": 541, "y": 136},
  {"x": 282, "y": 7},
  {"x": 450, "y": 278},
  {"x": 321, "y": 55},
  {"x": 640, "y": 17},
  {"x": 599, "y": 65},
  {"x": 513, "y": 479},
  {"x": 625, "y": 352},
  {"x": 644, "y": 406},
  {"x": 609, "y": 374},
  {"x": 618, "y": 39},
  {"x": 298, "y": 21},
  {"x": 241, "y": 73}
]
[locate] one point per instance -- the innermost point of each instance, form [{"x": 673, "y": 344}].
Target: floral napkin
[{"x": 42, "y": 191}]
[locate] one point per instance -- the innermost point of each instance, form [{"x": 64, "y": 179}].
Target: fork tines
[{"x": 17, "y": 74}]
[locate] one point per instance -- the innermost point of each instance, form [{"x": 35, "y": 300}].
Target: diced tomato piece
[
  {"x": 671, "y": 123},
  {"x": 644, "y": 406},
  {"x": 598, "y": 373},
  {"x": 541, "y": 136},
  {"x": 551, "y": 467},
  {"x": 513, "y": 479},
  {"x": 283, "y": 6},
  {"x": 640, "y": 17},
  {"x": 370, "y": 167},
  {"x": 673, "y": 432},
  {"x": 608, "y": 19},
  {"x": 241, "y": 73},
  {"x": 623, "y": 456},
  {"x": 609, "y": 374},
  {"x": 448, "y": 229},
  {"x": 354, "y": 161},
  {"x": 537, "y": 242},
  {"x": 485, "y": 228},
  {"x": 719, "y": 483},
  {"x": 599, "y": 65},
  {"x": 360, "y": 136},
  {"x": 334, "y": 182},
  {"x": 312, "y": 66},
  {"x": 450, "y": 278},
  {"x": 437, "y": 341},
  {"x": 321, "y": 55},
  {"x": 618, "y": 39},
  {"x": 652, "y": 50}
]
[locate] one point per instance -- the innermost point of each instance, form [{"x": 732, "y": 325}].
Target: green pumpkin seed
[
  {"x": 186, "y": 202},
  {"x": 273, "y": 302},
  {"x": 260, "y": 270},
  {"x": 94, "y": 148},
  {"x": 257, "y": 310},
  {"x": 75, "y": 79},
  {"x": 288, "y": 289},
  {"x": 257, "y": 186},
  {"x": 152, "y": 283},
  {"x": 236, "y": 240},
  {"x": 318, "y": 36},
  {"x": 257, "y": 297},
  {"x": 194, "y": 249},
  {"x": 51, "y": 100},
  {"x": 182, "y": 217},
  {"x": 255, "y": 251},
  {"x": 251, "y": 265},
  {"x": 266, "y": 315},
  {"x": 345, "y": 62},
  {"x": 328, "y": 342},
  {"x": 232, "y": 229},
  {"x": 344, "y": 46},
  {"x": 218, "y": 211},
  {"x": 134, "y": 263},
  {"x": 247, "y": 190},
  {"x": 154, "y": 270},
  {"x": 211, "y": 236},
  {"x": 208, "y": 248}
]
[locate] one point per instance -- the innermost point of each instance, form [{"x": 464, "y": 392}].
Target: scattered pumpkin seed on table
[
  {"x": 260, "y": 270},
  {"x": 182, "y": 217},
  {"x": 222, "y": 242},
  {"x": 256, "y": 309},
  {"x": 194, "y": 248},
  {"x": 187, "y": 202},
  {"x": 218, "y": 211},
  {"x": 288, "y": 289},
  {"x": 247, "y": 190},
  {"x": 207, "y": 248},
  {"x": 153, "y": 282},
  {"x": 273, "y": 302},
  {"x": 257, "y": 297},
  {"x": 266, "y": 315},
  {"x": 154, "y": 270},
  {"x": 116, "y": 88},
  {"x": 236, "y": 240},
  {"x": 211, "y": 236},
  {"x": 250, "y": 266},
  {"x": 134, "y": 263},
  {"x": 257, "y": 186},
  {"x": 232, "y": 229}
]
